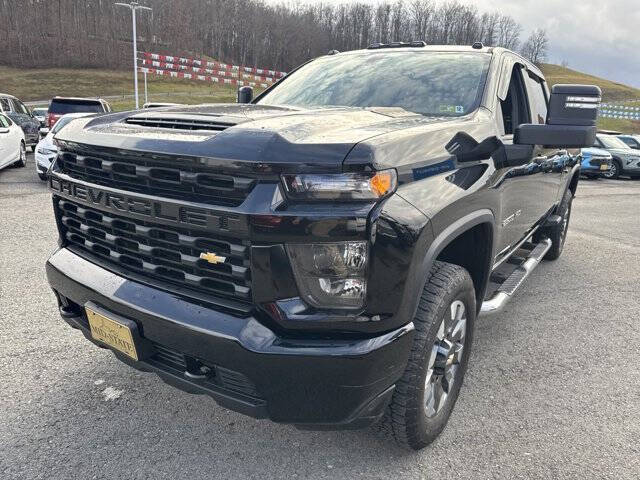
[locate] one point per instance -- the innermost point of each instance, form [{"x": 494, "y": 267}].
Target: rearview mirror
[
  {"x": 571, "y": 119},
  {"x": 245, "y": 94}
]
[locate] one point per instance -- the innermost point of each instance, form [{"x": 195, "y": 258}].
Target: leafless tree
[
  {"x": 95, "y": 34},
  {"x": 535, "y": 48}
]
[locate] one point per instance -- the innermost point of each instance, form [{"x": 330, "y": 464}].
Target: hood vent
[{"x": 178, "y": 123}]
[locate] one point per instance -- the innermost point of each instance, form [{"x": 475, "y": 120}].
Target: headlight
[
  {"x": 341, "y": 186},
  {"x": 46, "y": 151},
  {"x": 330, "y": 275}
]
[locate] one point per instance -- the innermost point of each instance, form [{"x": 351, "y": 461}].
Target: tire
[
  {"x": 614, "y": 171},
  {"x": 43, "y": 176},
  {"x": 558, "y": 233},
  {"x": 443, "y": 336},
  {"x": 23, "y": 156}
]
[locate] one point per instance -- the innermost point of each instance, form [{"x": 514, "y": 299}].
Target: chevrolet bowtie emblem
[{"x": 212, "y": 257}]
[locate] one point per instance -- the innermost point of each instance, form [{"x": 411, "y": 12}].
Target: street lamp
[{"x": 133, "y": 6}]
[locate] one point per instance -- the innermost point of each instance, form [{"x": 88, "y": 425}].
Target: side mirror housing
[
  {"x": 245, "y": 94},
  {"x": 571, "y": 119}
]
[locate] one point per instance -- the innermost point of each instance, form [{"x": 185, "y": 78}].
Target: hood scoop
[{"x": 179, "y": 122}]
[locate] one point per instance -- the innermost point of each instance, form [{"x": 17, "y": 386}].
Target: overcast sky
[{"x": 601, "y": 37}]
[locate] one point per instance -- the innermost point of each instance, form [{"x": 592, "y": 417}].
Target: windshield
[
  {"x": 61, "y": 123},
  {"x": 428, "y": 83},
  {"x": 612, "y": 142},
  {"x": 39, "y": 111},
  {"x": 62, "y": 107}
]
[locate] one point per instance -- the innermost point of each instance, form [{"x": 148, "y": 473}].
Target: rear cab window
[
  {"x": 64, "y": 106},
  {"x": 537, "y": 98}
]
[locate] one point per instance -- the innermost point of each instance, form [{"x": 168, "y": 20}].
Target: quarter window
[{"x": 4, "y": 105}]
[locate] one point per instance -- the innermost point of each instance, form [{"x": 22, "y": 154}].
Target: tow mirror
[
  {"x": 571, "y": 119},
  {"x": 245, "y": 94}
]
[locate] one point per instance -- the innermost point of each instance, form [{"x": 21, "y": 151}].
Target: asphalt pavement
[{"x": 552, "y": 392}]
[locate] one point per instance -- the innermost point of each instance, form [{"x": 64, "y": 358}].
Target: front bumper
[{"x": 314, "y": 382}]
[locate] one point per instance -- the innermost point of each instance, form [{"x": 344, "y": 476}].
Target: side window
[
  {"x": 3, "y": 122},
  {"x": 19, "y": 107},
  {"x": 537, "y": 99},
  {"x": 515, "y": 108},
  {"x": 4, "y": 105}
]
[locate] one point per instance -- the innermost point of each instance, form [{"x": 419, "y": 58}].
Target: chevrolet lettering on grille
[{"x": 164, "y": 211}]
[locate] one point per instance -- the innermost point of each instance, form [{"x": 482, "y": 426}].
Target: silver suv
[{"x": 626, "y": 161}]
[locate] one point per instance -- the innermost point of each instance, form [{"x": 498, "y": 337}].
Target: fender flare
[{"x": 444, "y": 238}]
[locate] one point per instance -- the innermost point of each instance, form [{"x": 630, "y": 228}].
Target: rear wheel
[
  {"x": 425, "y": 395},
  {"x": 22, "y": 161},
  {"x": 558, "y": 233}
]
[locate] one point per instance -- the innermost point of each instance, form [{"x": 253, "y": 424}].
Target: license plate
[
  {"x": 604, "y": 166},
  {"x": 112, "y": 332}
]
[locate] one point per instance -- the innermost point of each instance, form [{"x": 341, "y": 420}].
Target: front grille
[
  {"x": 160, "y": 252},
  {"x": 182, "y": 178}
]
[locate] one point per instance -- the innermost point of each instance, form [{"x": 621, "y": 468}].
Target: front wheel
[
  {"x": 614, "y": 171},
  {"x": 22, "y": 161},
  {"x": 425, "y": 395}
]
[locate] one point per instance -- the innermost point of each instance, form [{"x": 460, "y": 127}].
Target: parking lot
[{"x": 553, "y": 389}]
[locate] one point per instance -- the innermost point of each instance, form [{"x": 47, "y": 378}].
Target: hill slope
[
  {"x": 611, "y": 91},
  {"x": 40, "y": 84}
]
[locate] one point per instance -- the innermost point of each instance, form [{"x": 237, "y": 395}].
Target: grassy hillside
[
  {"x": 611, "y": 91},
  {"x": 42, "y": 84}
]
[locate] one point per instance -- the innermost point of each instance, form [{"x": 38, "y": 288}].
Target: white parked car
[
  {"x": 46, "y": 150},
  {"x": 12, "y": 144}
]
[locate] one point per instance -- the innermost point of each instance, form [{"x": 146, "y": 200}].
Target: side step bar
[{"x": 513, "y": 281}]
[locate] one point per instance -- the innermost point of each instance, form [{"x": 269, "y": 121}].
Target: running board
[{"x": 513, "y": 282}]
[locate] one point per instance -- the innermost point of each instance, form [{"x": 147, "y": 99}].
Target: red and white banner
[
  {"x": 238, "y": 74},
  {"x": 201, "y": 63},
  {"x": 224, "y": 80}
]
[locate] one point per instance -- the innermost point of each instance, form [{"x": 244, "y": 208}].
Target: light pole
[{"x": 133, "y": 6}]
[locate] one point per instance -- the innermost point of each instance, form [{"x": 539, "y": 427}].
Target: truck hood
[
  {"x": 624, "y": 152},
  {"x": 281, "y": 137}
]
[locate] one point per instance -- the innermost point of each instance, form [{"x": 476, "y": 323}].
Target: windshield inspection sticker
[{"x": 451, "y": 109}]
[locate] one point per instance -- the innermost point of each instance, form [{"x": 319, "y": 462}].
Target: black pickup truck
[{"x": 318, "y": 255}]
